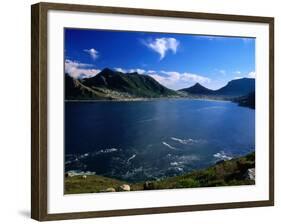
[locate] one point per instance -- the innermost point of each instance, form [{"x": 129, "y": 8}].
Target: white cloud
[
  {"x": 79, "y": 70},
  {"x": 195, "y": 78},
  {"x": 252, "y": 75},
  {"x": 70, "y": 63},
  {"x": 150, "y": 71},
  {"x": 238, "y": 77},
  {"x": 176, "y": 80},
  {"x": 162, "y": 45},
  {"x": 120, "y": 70},
  {"x": 249, "y": 75},
  {"x": 93, "y": 52},
  {"x": 138, "y": 70}
]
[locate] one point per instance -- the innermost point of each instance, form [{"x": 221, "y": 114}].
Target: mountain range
[
  {"x": 114, "y": 85},
  {"x": 109, "y": 84},
  {"x": 234, "y": 88}
]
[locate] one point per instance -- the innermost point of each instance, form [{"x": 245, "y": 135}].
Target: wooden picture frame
[{"x": 39, "y": 110}]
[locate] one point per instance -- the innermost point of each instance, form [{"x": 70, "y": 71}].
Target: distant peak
[
  {"x": 197, "y": 84},
  {"x": 107, "y": 70}
]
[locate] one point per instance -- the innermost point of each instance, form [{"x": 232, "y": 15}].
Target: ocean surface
[{"x": 149, "y": 140}]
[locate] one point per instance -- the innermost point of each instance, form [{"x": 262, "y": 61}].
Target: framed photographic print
[{"x": 139, "y": 111}]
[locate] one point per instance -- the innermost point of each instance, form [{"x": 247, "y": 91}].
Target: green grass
[
  {"x": 224, "y": 173},
  {"x": 93, "y": 183}
]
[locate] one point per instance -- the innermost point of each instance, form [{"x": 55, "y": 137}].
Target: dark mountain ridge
[
  {"x": 234, "y": 88},
  {"x": 197, "y": 89},
  {"x": 237, "y": 87}
]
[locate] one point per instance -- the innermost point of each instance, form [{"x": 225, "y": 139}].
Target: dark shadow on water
[{"x": 24, "y": 213}]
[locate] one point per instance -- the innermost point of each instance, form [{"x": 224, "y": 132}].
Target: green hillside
[{"x": 109, "y": 84}]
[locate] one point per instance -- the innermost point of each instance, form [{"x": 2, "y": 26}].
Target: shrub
[{"x": 189, "y": 182}]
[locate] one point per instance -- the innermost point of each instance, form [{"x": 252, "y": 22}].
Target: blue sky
[{"x": 175, "y": 60}]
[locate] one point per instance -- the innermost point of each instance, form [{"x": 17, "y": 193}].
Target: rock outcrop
[
  {"x": 250, "y": 174},
  {"x": 125, "y": 187}
]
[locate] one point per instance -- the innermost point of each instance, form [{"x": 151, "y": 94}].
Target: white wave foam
[
  {"x": 132, "y": 157},
  {"x": 104, "y": 151},
  {"x": 222, "y": 156},
  {"x": 180, "y": 169},
  {"x": 174, "y": 163},
  {"x": 108, "y": 150},
  {"x": 185, "y": 141},
  {"x": 169, "y": 146}
]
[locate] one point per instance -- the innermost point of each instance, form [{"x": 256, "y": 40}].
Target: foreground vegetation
[{"x": 223, "y": 173}]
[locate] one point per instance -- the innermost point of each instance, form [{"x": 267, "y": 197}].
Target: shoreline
[
  {"x": 148, "y": 99},
  {"x": 234, "y": 172}
]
